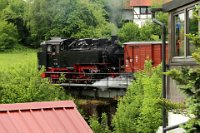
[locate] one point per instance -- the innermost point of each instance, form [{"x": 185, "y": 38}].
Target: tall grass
[
  {"x": 14, "y": 58},
  {"x": 20, "y": 81}
]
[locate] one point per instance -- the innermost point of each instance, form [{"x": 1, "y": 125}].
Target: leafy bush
[
  {"x": 99, "y": 127},
  {"x": 146, "y": 32},
  {"x": 129, "y": 32},
  {"x": 22, "y": 83},
  {"x": 139, "y": 110},
  {"x": 8, "y": 35}
]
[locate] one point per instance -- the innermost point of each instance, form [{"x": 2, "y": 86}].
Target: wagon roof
[{"x": 157, "y": 42}]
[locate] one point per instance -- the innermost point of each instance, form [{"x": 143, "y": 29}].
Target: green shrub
[
  {"x": 21, "y": 82},
  {"x": 99, "y": 127},
  {"x": 129, "y": 32},
  {"x": 8, "y": 35},
  {"x": 139, "y": 110}
]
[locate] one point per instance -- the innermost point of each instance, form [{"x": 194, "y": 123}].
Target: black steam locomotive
[{"x": 81, "y": 60}]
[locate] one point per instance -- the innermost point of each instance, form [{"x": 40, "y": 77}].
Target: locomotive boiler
[{"x": 81, "y": 61}]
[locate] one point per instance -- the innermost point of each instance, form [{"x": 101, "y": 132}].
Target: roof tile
[{"x": 140, "y": 2}]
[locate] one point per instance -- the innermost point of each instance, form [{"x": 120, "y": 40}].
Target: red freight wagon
[{"x": 135, "y": 54}]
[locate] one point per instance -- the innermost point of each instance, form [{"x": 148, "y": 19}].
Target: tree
[
  {"x": 146, "y": 32},
  {"x": 138, "y": 111},
  {"x": 39, "y": 18},
  {"x": 129, "y": 32},
  {"x": 67, "y": 18},
  {"x": 8, "y": 35},
  {"x": 162, "y": 17},
  {"x": 15, "y": 13}
]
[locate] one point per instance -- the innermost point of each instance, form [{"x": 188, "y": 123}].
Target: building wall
[
  {"x": 133, "y": 14},
  {"x": 173, "y": 93},
  {"x": 140, "y": 19}
]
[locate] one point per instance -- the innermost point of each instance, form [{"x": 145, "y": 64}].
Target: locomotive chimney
[{"x": 114, "y": 39}]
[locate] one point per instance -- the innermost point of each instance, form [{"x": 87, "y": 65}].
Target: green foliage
[
  {"x": 157, "y": 3},
  {"x": 14, "y": 13},
  {"x": 21, "y": 82},
  {"x": 99, "y": 127},
  {"x": 147, "y": 32},
  {"x": 129, "y": 32},
  {"x": 162, "y": 17},
  {"x": 196, "y": 55},
  {"x": 66, "y": 18},
  {"x": 3, "y": 4},
  {"x": 188, "y": 80},
  {"x": 8, "y": 35},
  {"x": 38, "y": 20},
  {"x": 172, "y": 106},
  {"x": 139, "y": 111}
]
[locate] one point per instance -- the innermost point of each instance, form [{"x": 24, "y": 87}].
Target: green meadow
[{"x": 12, "y": 59}]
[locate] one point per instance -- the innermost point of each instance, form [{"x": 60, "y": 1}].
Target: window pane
[
  {"x": 143, "y": 10},
  {"x": 179, "y": 34},
  {"x": 193, "y": 29}
]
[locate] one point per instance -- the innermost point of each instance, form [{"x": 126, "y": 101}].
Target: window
[
  {"x": 145, "y": 10},
  {"x": 184, "y": 23}
]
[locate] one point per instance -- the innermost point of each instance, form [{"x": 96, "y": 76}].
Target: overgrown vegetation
[
  {"x": 20, "y": 80},
  {"x": 139, "y": 110},
  {"x": 188, "y": 80},
  {"x": 8, "y": 35},
  {"x": 101, "y": 127}
]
